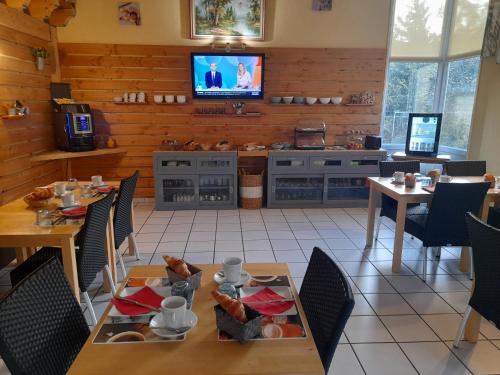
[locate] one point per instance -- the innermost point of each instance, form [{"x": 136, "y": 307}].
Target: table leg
[
  {"x": 69, "y": 263},
  {"x": 371, "y": 217},
  {"x": 110, "y": 253},
  {"x": 21, "y": 254},
  {"x": 398, "y": 238},
  {"x": 464, "y": 259},
  {"x": 131, "y": 244}
]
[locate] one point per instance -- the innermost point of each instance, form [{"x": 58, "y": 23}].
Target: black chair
[
  {"x": 494, "y": 217},
  {"x": 389, "y": 206},
  {"x": 327, "y": 299},
  {"x": 42, "y": 328},
  {"x": 465, "y": 168},
  {"x": 90, "y": 255},
  {"x": 444, "y": 225},
  {"x": 485, "y": 299},
  {"x": 122, "y": 217}
]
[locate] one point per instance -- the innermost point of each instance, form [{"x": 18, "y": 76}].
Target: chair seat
[
  {"x": 494, "y": 217},
  {"x": 392, "y": 210}
]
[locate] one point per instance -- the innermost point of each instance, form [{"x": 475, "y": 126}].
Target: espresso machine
[{"x": 74, "y": 126}]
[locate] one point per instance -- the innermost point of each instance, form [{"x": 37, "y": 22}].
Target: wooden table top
[
  {"x": 201, "y": 352},
  {"x": 17, "y": 219}
]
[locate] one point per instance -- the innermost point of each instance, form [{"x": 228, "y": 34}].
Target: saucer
[
  {"x": 74, "y": 205},
  {"x": 98, "y": 186},
  {"x": 219, "y": 278},
  {"x": 190, "y": 320}
]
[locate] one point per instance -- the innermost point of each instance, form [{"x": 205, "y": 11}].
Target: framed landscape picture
[{"x": 227, "y": 19}]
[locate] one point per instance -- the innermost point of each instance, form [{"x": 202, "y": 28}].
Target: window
[{"x": 434, "y": 66}]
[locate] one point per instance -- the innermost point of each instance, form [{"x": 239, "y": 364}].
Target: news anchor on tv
[{"x": 213, "y": 78}]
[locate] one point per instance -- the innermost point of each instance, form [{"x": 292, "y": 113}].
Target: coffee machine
[{"x": 73, "y": 121}]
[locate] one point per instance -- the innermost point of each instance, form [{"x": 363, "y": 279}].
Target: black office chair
[
  {"x": 485, "y": 299},
  {"x": 389, "y": 206},
  {"x": 122, "y": 217},
  {"x": 328, "y": 301},
  {"x": 90, "y": 255},
  {"x": 42, "y": 328},
  {"x": 494, "y": 217},
  {"x": 465, "y": 168},
  {"x": 444, "y": 225}
]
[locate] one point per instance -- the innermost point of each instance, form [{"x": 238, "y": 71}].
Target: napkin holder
[
  {"x": 194, "y": 280},
  {"x": 240, "y": 331}
]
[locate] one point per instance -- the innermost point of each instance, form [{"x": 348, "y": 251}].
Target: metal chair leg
[
  {"x": 379, "y": 223},
  {"x": 471, "y": 264},
  {"x": 122, "y": 265},
  {"x": 90, "y": 307},
  {"x": 438, "y": 252},
  {"x": 424, "y": 270},
  {"x": 461, "y": 329},
  {"x": 136, "y": 249},
  {"x": 110, "y": 279}
]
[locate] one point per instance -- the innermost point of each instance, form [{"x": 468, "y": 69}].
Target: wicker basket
[
  {"x": 194, "y": 280},
  {"x": 251, "y": 191},
  {"x": 238, "y": 330}
]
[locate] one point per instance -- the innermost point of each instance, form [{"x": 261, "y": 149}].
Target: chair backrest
[
  {"x": 387, "y": 169},
  {"x": 485, "y": 241},
  {"x": 42, "y": 327},
  {"x": 446, "y": 220},
  {"x": 91, "y": 257},
  {"x": 465, "y": 168},
  {"x": 327, "y": 299},
  {"x": 122, "y": 222}
]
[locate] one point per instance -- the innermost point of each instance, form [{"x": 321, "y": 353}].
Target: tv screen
[
  {"x": 227, "y": 75},
  {"x": 423, "y": 133}
]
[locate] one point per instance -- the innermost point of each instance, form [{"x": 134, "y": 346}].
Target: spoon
[{"x": 175, "y": 330}]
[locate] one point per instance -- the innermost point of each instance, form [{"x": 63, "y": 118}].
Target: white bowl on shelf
[
  {"x": 181, "y": 99},
  {"x": 287, "y": 99},
  {"x": 324, "y": 100},
  {"x": 158, "y": 99},
  {"x": 336, "y": 100},
  {"x": 311, "y": 100},
  {"x": 169, "y": 99}
]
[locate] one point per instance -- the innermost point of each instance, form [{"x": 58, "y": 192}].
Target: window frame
[{"x": 443, "y": 61}]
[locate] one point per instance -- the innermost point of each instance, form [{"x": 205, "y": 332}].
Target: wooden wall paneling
[
  {"x": 99, "y": 72},
  {"x": 20, "y": 139}
]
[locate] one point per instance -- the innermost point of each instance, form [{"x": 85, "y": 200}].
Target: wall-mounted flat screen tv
[
  {"x": 423, "y": 134},
  {"x": 227, "y": 75}
]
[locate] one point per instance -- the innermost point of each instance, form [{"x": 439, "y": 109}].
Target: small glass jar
[
  {"x": 72, "y": 184},
  {"x": 183, "y": 289},
  {"x": 43, "y": 218},
  {"x": 86, "y": 191},
  {"x": 229, "y": 289}
]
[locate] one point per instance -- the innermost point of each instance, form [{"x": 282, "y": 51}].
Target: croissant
[
  {"x": 42, "y": 193},
  {"x": 232, "y": 306},
  {"x": 178, "y": 265}
]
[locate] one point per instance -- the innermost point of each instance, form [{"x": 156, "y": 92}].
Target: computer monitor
[{"x": 422, "y": 137}]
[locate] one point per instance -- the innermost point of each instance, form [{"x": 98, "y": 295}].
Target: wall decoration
[
  {"x": 491, "y": 43},
  {"x": 322, "y": 5},
  {"x": 227, "y": 19},
  {"x": 129, "y": 13}
]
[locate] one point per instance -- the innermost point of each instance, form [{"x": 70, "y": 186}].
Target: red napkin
[
  {"x": 430, "y": 189},
  {"x": 77, "y": 211},
  {"x": 105, "y": 189},
  {"x": 273, "y": 308},
  {"x": 145, "y": 295}
]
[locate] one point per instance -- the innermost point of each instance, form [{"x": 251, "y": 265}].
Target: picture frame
[
  {"x": 129, "y": 13},
  {"x": 232, "y": 20}
]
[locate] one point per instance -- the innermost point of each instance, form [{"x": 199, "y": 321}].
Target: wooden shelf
[
  {"x": 359, "y": 105},
  {"x": 60, "y": 155},
  {"x": 439, "y": 159},
  {"x": 164, "y": 103},
  {"x": 308, "y": 105},
  {"x": 131, "y": 103},
  {"x": 13, "y": 117},
  {"x": 251, "y": 114}
]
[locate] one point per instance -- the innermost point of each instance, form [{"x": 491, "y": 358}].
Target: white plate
[
  {"x": 164, "y": 291},
  {"x": 74, "y": 205},
  {"x": 283, "y": 291},
  {"x": 219, "y": 278},
  {"x": 190, "y": 321},
  {"x": 96, "y": 186}
]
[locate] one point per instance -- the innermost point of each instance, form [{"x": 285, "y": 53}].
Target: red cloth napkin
[
  {"x": 273, "y": 308},
  {"x": 77, "y": 211},
  {"x": 105, "y": 189},
  {"x": 430, "y": 189},
  {"x": 145, "y": 295}
]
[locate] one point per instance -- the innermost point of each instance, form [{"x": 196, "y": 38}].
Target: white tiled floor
[{"x": 399, "y": 325}]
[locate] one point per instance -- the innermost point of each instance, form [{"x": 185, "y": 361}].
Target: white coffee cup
[
  {"x": 445, "y": 178},
  {"x": 181, "y": 99},
  {"x": 173, "y": 310},
  {"x": 132, "y": 97},
  {"x": 60, "y": 188},
  {"x": 68, "y": 199},
  {"x": 141, "y": 97},
  {"x": 232, "y": 269},
  {"x": 399, "y": 176},
  {"x": 169, "y": 98},
  {"x": 498, "y": 182},
  {"x": 96, "y": 180},
  {"x": 125, "y": 97}
]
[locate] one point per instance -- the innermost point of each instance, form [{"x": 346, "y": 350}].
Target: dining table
[
  {"x": 18, "y": 229},
  {"x": 202, "y": 351},
  {"x": 403, "y": 196}
]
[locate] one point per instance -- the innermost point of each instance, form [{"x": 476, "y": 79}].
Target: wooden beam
[
  {"x": 21, "y": 22},
  {"x": 42, "y": 9},
  {"x": 18, "y": 4},
  {"x": 63, "y": 14}
]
